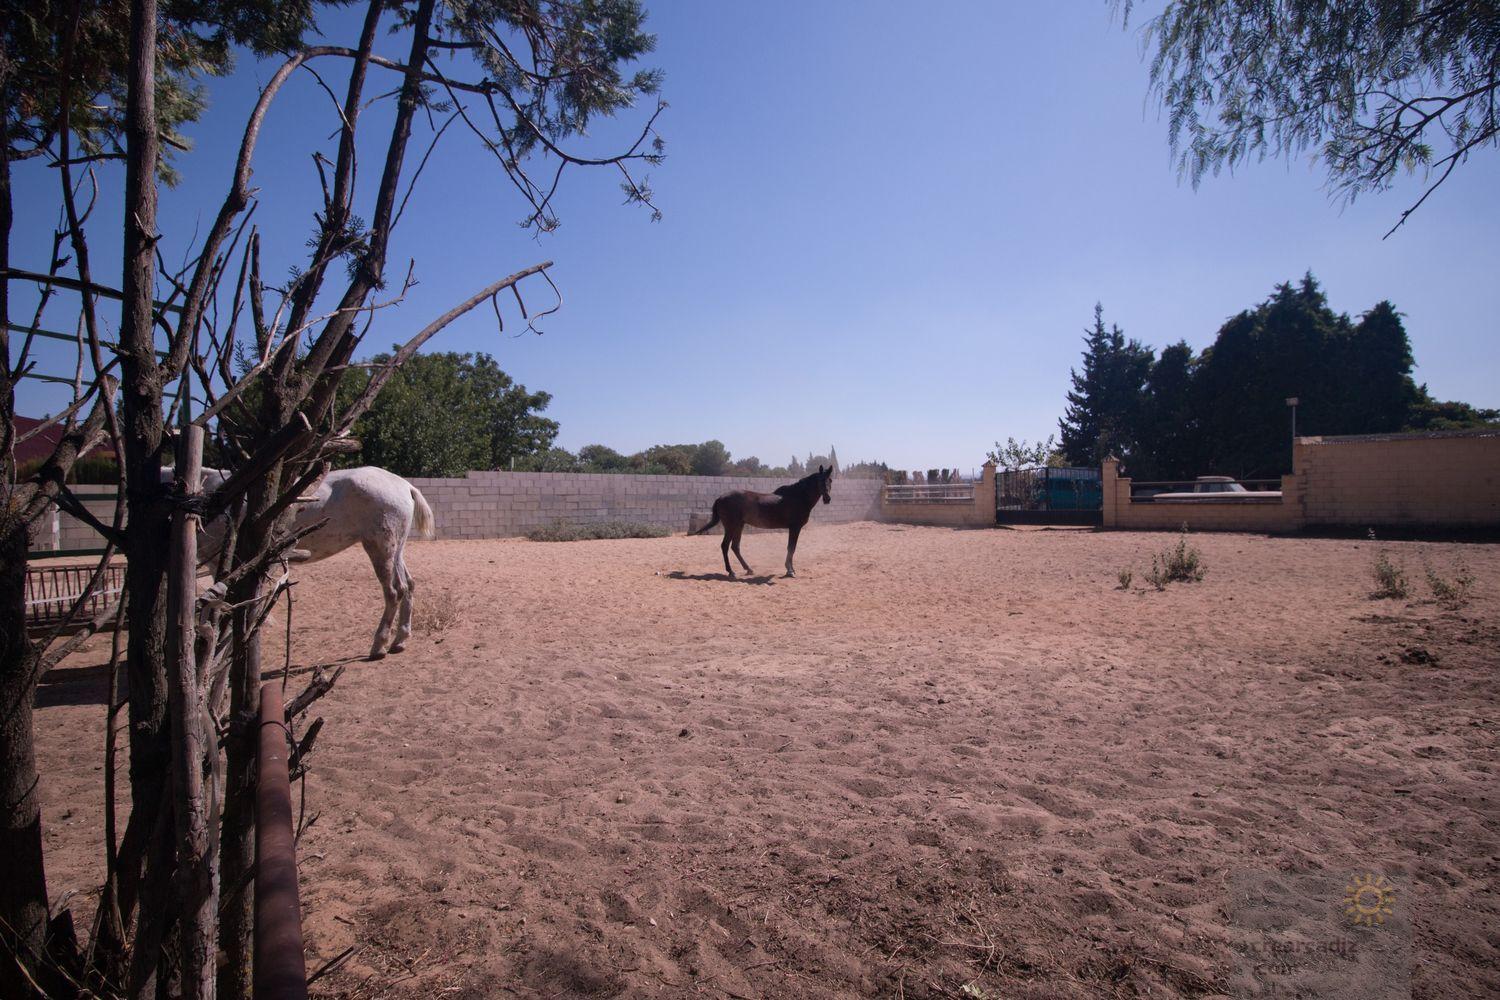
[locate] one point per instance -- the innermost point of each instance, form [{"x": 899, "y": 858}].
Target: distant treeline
[
  {"x": 709, "y": 458},
  {"x": 1225, "y": 411},
  {"x": 445, "y": 414}
]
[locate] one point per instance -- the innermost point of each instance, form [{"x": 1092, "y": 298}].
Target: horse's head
[{"x": 825, "y": 479}]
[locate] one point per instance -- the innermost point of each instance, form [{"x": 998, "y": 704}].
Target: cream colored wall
[
  {"x": 1417, "y": 480},
  {"x": 978, "y": 514},
  {"x": 1369, "y": 481}
]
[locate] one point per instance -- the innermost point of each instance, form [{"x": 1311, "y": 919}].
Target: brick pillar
[
  {"x": 984, "y": 496},
  {"x": 1109, "y": 478}
]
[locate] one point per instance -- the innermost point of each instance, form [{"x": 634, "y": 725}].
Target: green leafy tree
[
  {"x": 748, "y": 466},
  {"x": 1428, "y": 414},
  {"x": 1370, "y": 87},
  {"x": 65, "y": 65},
  {"x": 666, "y": 459},
  {"x": 1024, "y": 454},
  {"x": 710, "y": 458},
  {"x": 445, "y": 413},
  {"x": 866, "y": 470},
  {"x": 1167, "y": 437},
  {"x": 1378, "y": 361},
  {"x": 1104, "y": 403},
  {"x": 1225, "y": 411},
  {"x": 550, "y": 460},
  {"x": 1349, "y": 379},
  {"x": 600, "y": 458}
]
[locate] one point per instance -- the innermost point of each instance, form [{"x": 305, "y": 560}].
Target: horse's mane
[{"x": 802, "y": 485}]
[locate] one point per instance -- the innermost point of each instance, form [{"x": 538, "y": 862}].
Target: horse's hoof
[{"x": 398, "y": 647}]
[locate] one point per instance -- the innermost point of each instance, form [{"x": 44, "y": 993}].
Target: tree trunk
[
  {"x": 191, "y": 743},
  {"x": 237, "y": 850},
  {"x": 23, "y": 879},
  {"x": 237, "y": 846},
  {"x": 147, "y": 522}
]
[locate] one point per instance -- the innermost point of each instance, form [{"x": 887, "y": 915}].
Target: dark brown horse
[{"x": 788, "y": 507}]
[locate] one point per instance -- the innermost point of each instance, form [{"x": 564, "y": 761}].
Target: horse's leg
[
  {"x": 724, "y": 548},
  {"x": 408, "y": 585},
  {"x": 738, "y": 531},
  {"x": 388, "y": 572},
  {"x": 791, "y": 546}
]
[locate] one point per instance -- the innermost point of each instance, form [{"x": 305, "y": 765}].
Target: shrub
[
  {"x": 434, "y": 617},
  {"x": 1182, "y": 563},
  {"x": 1125, "y": 576},
  {"x": 1390, "y": 577},
  {"x": 95, "y": 470},
  {"x": 1453, "y": 593},
  {"x": 561, "y": 531}
]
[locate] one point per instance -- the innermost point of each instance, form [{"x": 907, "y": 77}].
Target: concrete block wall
[
  {"x": 979, "y": 514},
  {"x": 60, "y": 532},
  {"x": 505, "y": 504},
  {"x": 1444, "y": 479},
  {"x": 1440, "y": 479},
  {"x": 1231, "y": 515},
  {"x": 495, "y": 504}
]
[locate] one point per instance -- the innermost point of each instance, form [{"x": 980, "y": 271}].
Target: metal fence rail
[
  {"x": 51, "y": 592},
  {"x": 931, "y": 493}
]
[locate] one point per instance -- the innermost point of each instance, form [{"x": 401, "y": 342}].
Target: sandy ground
[{"x": 937, "y": 763}]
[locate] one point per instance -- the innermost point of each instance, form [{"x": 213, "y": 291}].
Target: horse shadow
[
  {"x": 761, "y": 580},
  {"x": 299, "y": 669}
]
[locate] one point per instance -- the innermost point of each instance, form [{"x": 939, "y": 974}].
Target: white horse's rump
[
  {"x": 367, "y": 506},
  {"x": 379, "y": 510}
]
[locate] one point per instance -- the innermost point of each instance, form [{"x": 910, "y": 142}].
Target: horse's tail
[
  {"x": 712, "y": 522},
  {"x": 422, "y": 515}
]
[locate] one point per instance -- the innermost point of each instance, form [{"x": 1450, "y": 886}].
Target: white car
[{"x": 1216, "y": 489}]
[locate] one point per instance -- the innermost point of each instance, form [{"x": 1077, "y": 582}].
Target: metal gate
[{"x": 1049, "y": 496}]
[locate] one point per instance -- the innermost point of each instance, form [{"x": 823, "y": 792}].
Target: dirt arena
[{"x": 936, "y": 764}]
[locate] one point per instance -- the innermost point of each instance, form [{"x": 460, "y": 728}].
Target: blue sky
[{"x": 883, "y": 230}]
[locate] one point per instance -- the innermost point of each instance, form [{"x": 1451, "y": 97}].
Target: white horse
[{"x": 372, "y": 507}]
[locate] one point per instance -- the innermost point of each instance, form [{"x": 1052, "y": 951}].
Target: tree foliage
[
  {"x": 1024, "y": 454},
  {"x": 445, "y": 413},
  {"x": 66, "y": 62},
  {"x": 1178, "y": 415},
  {"x": 1371, "y": 87},
  {"x": 708, "y": 458},
  {"x": 1103, "y": 406},
  {"x": 89, "y": 82}
]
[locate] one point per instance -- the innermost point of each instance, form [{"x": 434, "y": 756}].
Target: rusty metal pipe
[{"x": 280, "y": 968}]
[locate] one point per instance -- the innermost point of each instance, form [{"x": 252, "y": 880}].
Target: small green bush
[
  {"x": 1453, "y": 593},
  {"x": 561, "y": 531},
  {"x": 1182, "y": 563},
  {"x": 1390, "y": 577},
  {"x": 1125, "y": 576}
]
